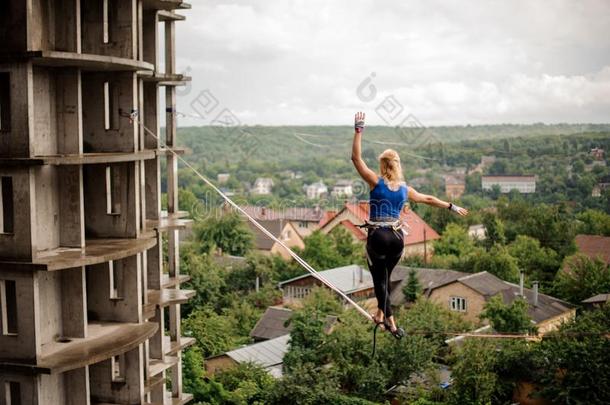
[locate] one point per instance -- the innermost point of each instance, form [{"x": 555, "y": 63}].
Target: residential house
[
  {"x": 262, "y": 186},
  {"x": 354, "y": 281},
  {"x": 222, "y": 178},
  {"x": 477, "y": 232},
  {"x": 273, "y": 335},
  {"x": 594, "y": 246},
  {"x": 275, "y": 322},
  {"x": 304, "y": 219},
  {"x": 282, "y": 230},
  {"x": 419, "y": 235},
  {"x": 268, "y": 354},
  {"x": 596, "y": 192},
  {"x": 525, "y": 184},
  {"x": 316, "y": 190},
  {"x": 604, "y": 184},
  {"x": 486, "y": 161},
  {"x": 343, "y": 188},
  {"x": 455, "y": 186},
  {"x": 597, "y": 301},
  {"x": 597, "y": 153},
  {"x": 467, "y": 294}
]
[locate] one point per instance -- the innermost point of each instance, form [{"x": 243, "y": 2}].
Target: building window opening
[
  {"x": 12, "y": 390},
  {"x": 117, "y": 367},
  {"x": 113, "y": 204},
  {"x": 115, "y": 274},
  {"x": 8, "y": 307},
  {"x": 458, "y": 304},
  {"x": 7, "y": 219}
]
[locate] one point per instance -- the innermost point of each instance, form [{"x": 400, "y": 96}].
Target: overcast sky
[{"x": 277, "y": 62}]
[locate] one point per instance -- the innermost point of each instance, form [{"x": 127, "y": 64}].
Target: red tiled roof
[
  {"x": 328, "y": 215},
  {"x": 594, "y": 246},
  {"x": 357, "y": 232},
  {"x": 416, "y": 225}
]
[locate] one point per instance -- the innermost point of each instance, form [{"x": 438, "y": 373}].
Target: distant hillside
[{"x": 282, "y": 144}]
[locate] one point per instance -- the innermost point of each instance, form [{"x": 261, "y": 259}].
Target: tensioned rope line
[{"x": 301, "y": 261}]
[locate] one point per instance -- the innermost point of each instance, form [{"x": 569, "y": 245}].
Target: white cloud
[{"x": 300, "y": 61}]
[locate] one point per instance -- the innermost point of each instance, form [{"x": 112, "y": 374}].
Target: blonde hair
[{"x": 391, "y": 171}]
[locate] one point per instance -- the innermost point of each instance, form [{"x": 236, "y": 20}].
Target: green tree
[
  {"x": 228, "y": 233},
  {"x": 320, "y": 251},
  {"x": 454, "y": 241},
  {"x": 213, "y": 332},
  {"x": 594, "y": 222},
  {"x": 538, "y": 262},
  {"x": 246, "y": 383},
  {"x": 581, "y": 278},
  {"x": 494, "y": 230},
  {"x": 497, "y": 262},
  {"x": 412, "y": 287},
  {"x": 575, "y": 367},
  {"x": 508, "y": 318},
  {"x": 474, "y": 379},
  {"x": 345, "y": 246}
]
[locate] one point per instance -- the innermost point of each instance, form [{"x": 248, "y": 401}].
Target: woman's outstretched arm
[
  {"x": 417, "y": 197},
  {"x": 367, "y": 174}
]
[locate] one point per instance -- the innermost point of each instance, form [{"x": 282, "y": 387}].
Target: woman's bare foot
[{"x": 378, "y": 317}]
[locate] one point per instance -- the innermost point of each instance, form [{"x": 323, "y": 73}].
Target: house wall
[
  {"x": 219, "y": 363},
  {"x": 305, "y": 228},
  {"x": 419, "y": 249},
  {"x": 474, "y": 301},
  {"x": 554, "y": 323},
  {"x": 294, "y": 240}
]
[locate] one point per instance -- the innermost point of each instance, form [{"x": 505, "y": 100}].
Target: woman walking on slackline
[{"x": 385, "y": 240}]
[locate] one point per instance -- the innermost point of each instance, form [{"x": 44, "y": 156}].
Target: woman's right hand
[{"x": 359, "y": 122}]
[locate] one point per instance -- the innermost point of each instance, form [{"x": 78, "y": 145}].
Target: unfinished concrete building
[{"x": 89, "y": 298}]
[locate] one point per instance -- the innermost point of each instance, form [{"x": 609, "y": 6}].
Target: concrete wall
[
  {"x": 25, "y": 345},
  {"x": 21, "y": 244},
  {"x": 126, "y": 222},
  {"x": 122, "y": 135},
  {"x": 128, "y": 306}
]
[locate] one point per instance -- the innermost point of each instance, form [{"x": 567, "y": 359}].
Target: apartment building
[{"x": 89, "y": 306}]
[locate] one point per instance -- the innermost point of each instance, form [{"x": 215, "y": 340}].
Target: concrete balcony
[
  {"x": 104, "y": 340},
  {"x": 81, "y": 158},
  {"x": 79, "y": 60},
  {"x": 96, "y": 251}
]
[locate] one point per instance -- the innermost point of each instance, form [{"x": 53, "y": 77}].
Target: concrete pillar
[{"x": 74, "y": 302}]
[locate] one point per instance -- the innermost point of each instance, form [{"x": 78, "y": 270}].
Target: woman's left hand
[
  {"x": 461, "y": 211},
  {"x": 359, "y": 122}
]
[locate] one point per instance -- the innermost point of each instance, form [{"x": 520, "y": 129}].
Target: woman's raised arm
[
  {"x": 417, "y": 197},
  {"x": 367, "y": 174}
]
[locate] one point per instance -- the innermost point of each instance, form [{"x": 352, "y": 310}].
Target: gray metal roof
[
  {"x": 273, "y": 323},
  {"x": 346, "y": 278},
  {"x": 266, "y": 354},
  {"x": 484, "y": 283},
  {"x": 597, "y": 298},
  {"x": 429, "y": 279}
]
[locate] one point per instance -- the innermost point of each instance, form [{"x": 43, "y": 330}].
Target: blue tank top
[{"x": 385, "y": 202}]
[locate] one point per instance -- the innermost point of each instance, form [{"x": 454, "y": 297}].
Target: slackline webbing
[{"x": 299, "y": 260}]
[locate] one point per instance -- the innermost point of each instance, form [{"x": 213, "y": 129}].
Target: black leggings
[{"x": 384, "y": 248}]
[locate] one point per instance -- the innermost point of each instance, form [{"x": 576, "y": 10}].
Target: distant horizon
[{"x": 393, "y": 126}]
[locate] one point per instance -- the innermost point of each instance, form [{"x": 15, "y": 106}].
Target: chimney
[
  {"x": 263, "y": 211},
  {"x": 361, "y": 275},
  {"x": 521, "y": 278},
  {"x": 535, "y": 293}
]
